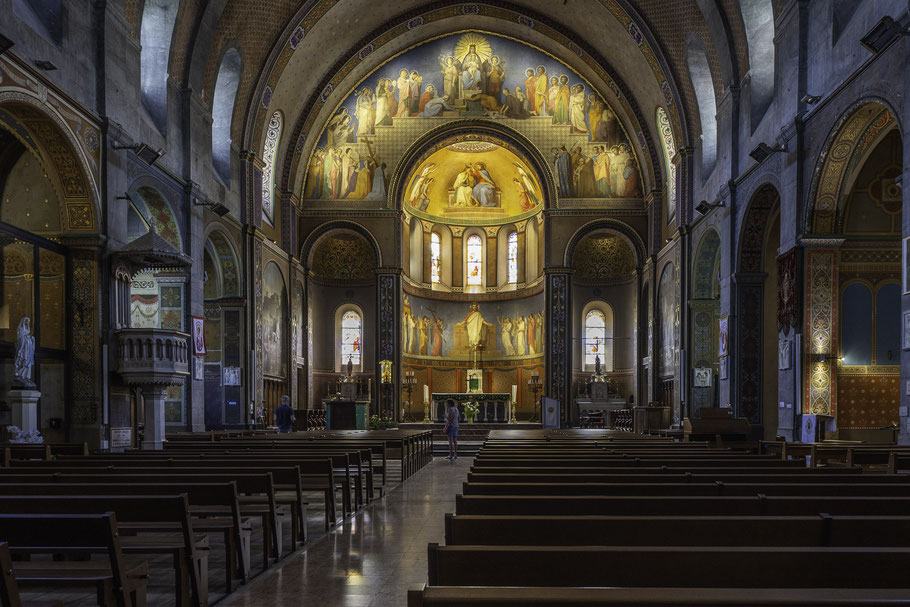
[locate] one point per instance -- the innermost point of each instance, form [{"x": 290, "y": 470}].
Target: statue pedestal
[{"x": 24, "y": 408}]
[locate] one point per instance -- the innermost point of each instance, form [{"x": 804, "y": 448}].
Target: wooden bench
[
  {"x": 488, "y": 596},
  {"x": 210, "y": 493},
  {"x": 689, "y": 489},
  {"x": 116, "y": 581},
  {"x": 846, "y": 476},
  {"x": 759, "y": 505},
  {"x": 190, "y": 553},
  {"x": 819, "y": 530},
  {"x": 316, "y": 474},
  {"x": 676, "y": 566}
]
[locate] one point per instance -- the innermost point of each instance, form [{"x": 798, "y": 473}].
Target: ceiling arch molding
[
  {"x": 478, "y": 127},
  {"x": 402, "y": 25}
]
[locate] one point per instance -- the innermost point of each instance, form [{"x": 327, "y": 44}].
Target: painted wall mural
[
  {"x": 476, "y": 75},
  {"x": 274, "y": 316},
  {"x": 469, "y": 177},
  {"x": 453, "y": 330},
  {"x": 667, "y": 306}
]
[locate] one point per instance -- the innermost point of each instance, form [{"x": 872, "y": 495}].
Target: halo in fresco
[{"x": 473, "y": 75}]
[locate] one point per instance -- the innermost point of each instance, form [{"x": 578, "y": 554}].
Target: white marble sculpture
[{"x": 25, "y": 354}]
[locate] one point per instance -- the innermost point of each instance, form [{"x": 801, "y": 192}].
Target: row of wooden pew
[
  {"x": 584, "y": 518},
  {"x": 202, "y": 503}
]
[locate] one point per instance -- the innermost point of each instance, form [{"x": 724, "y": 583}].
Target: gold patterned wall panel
[
  {"x": 868, "y": 401},
  {"x": 820, "y": 323}
]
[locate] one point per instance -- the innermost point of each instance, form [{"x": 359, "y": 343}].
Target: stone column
[
  {"x": 153, "y": 402},
  {"x": 559, "y": 328},
  {"x": 388, "y": 290}
]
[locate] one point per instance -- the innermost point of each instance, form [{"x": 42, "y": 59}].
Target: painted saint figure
[
  {"x": 474, "y": 327},
  {"x": 438, "y": 338},
  {"x": 463, "y": 187},
  {"x": 484, "y": 189},
  {"x": 506, "y": 328}
]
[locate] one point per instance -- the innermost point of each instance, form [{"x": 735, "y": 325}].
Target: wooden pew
[
  {"x": 116, "y": 581},
  {"x": 9, "y": 588},
  {"x": 689, "y": 489},
  {"x": 488, "y": 596},
  {"x": 819, "y": 530},
  {"x": 316, "y": 474},
  {"x": 171, "y": 509},
  {"x": 676, "y": 566},
  {"x": 233, "y": 528},
  {"x": 846, "y": 476},
  {"x": 759, "y": 505}
]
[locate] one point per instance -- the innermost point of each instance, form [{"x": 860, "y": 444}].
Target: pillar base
[
  {"x": 153, "y": 397},
  {"x": 24, "y": 408}
]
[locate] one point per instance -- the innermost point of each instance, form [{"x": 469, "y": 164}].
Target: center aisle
[{"x": 375, "y": 556}]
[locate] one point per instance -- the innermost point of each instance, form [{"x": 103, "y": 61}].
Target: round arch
[
  {"x": 324, "y": 230},
  {"x": 853, "y": 135},
  {"x": 704, "y": 268},
  {"x": 225, "y": 253},
  {"x": 607, "y": 224},
  {"x": 763, "y": 204},
  {"x": 258, "y": 106},
  {"x": 31, "y": 121},
  {"x": 423, "y": 144}
]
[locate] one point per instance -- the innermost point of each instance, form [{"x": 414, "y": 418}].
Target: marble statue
[{"x": 25, "y": 354}]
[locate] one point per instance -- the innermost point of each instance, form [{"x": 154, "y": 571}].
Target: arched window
[
  {"x": 222, "y": 111},
  {"x": 595, "y": 336},
  {"x": 857, "y": 324},
  {"x": 475, "y": 261},
  {"x": 272, "y": 137},
  {"x": 351, "y": 338},
  {"x": 758, "y": 17},
  {"x": 512, "y": 249},
  {"x": 158, "y": 17},
  {"x": 703, "y": 83},
  {"x": 435, "y": 258},
  {"x": 669, "y": 145}
]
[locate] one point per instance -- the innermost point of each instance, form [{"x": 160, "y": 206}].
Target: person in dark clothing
[{"x": 284, "y": 415}]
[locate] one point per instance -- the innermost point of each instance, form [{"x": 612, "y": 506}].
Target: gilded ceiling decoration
[
  {"x": 343, "y": 258},
  {"x": 604, "y": 257}
]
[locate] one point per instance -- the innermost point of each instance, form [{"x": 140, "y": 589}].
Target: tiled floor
[{"x": 374, "y": 557}]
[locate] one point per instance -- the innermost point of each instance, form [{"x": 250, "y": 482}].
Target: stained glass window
[
  {"x": 272, "y": 136},
  {"x": 513, "y": 258},
  {"x": 669, "y": 145},
  {"x": 475, "y": 261},
  {"x": 435, "y": 259},
  {"x": 351, "y": 338},
  {"x": 595, "y": 336}
]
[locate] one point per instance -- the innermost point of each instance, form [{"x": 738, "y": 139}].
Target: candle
[
  {"x": 514, "y": 393},
  {"x": 426, "y": 393}
]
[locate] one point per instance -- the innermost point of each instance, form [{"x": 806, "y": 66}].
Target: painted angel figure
[{"x": 417, "y": 188}]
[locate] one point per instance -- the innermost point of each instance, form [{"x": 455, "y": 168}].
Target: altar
[{"x": 494, "y": 408}]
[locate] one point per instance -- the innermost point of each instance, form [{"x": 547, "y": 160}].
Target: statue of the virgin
[{"x": 25, "y": 354}]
